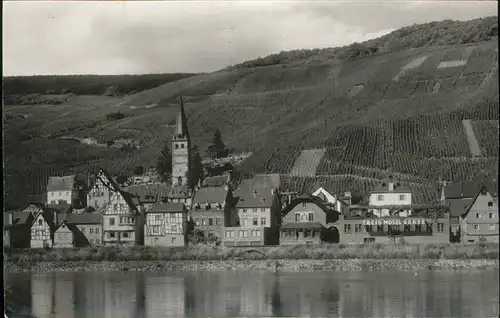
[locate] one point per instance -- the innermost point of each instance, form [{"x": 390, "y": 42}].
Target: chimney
[{"x": 391, "y": 186}]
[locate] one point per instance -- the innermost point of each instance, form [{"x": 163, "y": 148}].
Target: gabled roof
[
  {"x": 167, "y": 208},
  {"x": 255, "y": 198},
  {"x": 466, "y": 189},
  {"x": 149, "y": 193},
  {"x": 179, "y": 192},
  {"x": 210, "y": 194},
  {"x": 306, "y": 198},
  {"x": 20, "y": 217},
  {"x": 65, "y": 183},
  {"x": 84, "y": 218},
  {"x": 397, "y": 189},
  {"x": 481, "y": 189},
  {"x": 216, "y": 181},
  {"x": 60, "y": 207},
  {"x": 48, "y": 217},
  {"x": 459, "y": 206}
]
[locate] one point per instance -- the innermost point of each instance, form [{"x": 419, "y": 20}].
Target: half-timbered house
[
  {"x": 101, "y": 191},
  {"x": 122, "y": 221},
  {"x": 166, "y": 225},
  {"x": 42, "y": 230}
]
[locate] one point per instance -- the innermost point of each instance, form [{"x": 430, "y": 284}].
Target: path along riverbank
[{"x": 270, "y": 265}]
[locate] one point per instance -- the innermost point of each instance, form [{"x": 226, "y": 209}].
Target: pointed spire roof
[{"x": 181, "y": 130}]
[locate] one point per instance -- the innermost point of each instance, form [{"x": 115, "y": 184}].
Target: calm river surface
[{"x": 257, "y": 294}]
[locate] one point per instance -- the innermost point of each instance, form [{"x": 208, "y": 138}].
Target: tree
[
  {"x": 121, "y": 179},
  {"x": 217, "y": 149},
  {"x": 164, "y": 163},
  {"x": 196, "y": 168},
  {"x": 139, "y": 170}
]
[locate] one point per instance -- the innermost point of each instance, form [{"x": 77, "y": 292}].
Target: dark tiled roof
[
  {"x": 467, "y": 189},
  {"x": 210, "y": 194},
  {"x": 20, "y": 217},
  {"x": 302, "y": 225},
  {"x": 61, "y": 183},
  {"x": 309, "y": 199},
  {"x": 166, "y": 207},
  {"x": 84, "y": 218},
  {"x": 179, "y": 192},
  {"x": 60, "y": 207},
  {"x": 255, "y": 198},
  {"x": 216, "y": 181},
  {"x": 149, "y": 193},
  {"x": 381, "y": 189},
  {"x": 459, "y": 206}
]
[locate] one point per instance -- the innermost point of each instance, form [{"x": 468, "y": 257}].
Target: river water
[{"x": 257, "y": 294}]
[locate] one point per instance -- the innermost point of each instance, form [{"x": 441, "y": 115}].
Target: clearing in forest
[
  {"x": 307, "y": 163},
  {"x": 471, "y": 138}
]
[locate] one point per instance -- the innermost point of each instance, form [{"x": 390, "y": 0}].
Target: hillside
[{"x": 407, "y": 112}]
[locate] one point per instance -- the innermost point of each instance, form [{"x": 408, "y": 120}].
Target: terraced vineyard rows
[{"x": 487, "y": 136}]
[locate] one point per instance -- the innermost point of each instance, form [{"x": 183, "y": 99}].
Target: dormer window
[
  {"x": 207, "y": 206},
  {"x": 262, "y": 200},
  {"x": 219, "y": 206},
  {"x": 176, "y": 146},
  {"x": 254, "y": 192},
  {"x": 197, "y": 206},
  {"x": 490, "y": 203}
]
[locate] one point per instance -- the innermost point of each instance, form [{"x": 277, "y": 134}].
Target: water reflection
[{"x": 257, "y": 294}]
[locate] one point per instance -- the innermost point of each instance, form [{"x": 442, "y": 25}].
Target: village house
[
  {"x": 64, "y": 236},
  {"x": 166, "y": 225},
  {"x": 389, "y": 195},
  {"x": 42, "y": 229},
  {"x": 459, "y": 196},
  {"x": 335, "y": 202},
  {"x": 67, "y": 189},
  {"x": 19, "y": 227},
  {"x": 102, "y": 189},
  {"x": 258, "y": 208},
  {"x": 180, "y": 192},
  {"x": 213, "y": 209},
  {"x": 122, "y": 222},
  {"x": 479, "y": 222},
  {"x": 90, "y": 226},
  {"x": 307, "y": 220},
  {"x": 426, "y": 224}
]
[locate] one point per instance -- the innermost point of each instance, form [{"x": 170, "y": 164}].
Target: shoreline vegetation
[{"x": 276, "y": 258}]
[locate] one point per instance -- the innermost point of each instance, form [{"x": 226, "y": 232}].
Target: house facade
[
  {"x": 426, "y": 224},
  {"x": 390, "y": 194},
  {"x": 479, "y": 223},
  {"x": 166, "y": 225},
  {"x": 63, "y": 237},
  {"x": 101, "y": 191},
  {"x": 67, "y": 189},
  {"x": 247, "y": 236},
  {"x": 42, "y": 230},
  {"x": 122, "y": 221},
  {"x": 307, "y": 220},
  {"x": 212, "y": 210},
  {"x": 89, "y": 228},
  {"x": 19, "y": 227},
  {"x": 258, "y": 206}
]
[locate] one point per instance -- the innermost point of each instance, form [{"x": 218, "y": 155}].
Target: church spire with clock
[{"x": 181, "y": 153}]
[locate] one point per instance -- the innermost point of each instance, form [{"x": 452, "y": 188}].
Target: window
[
  {"x": 254, "y": 210},
  {"x": 40, "y": 222},
  {"x": 125, "y": 234},
  {"x": 157, "y": 218},
  {"x": 429, "y": 227},
  {"x": 228, "y": 233},
  {"x": 380, "y": 197},
  {"x": 478, "y": 215},
  {"x": 115, "y": 206},
  {"x": 245, "y": 233},
  {"x": 244, "y": 222},
  {"x": 176, "y": 146},
  {"x": 210, "y": 221},
  {"x": 255, "y": 221},
  {"x": 240, "y": 233},
  {"x": 347, "y": 228},
  {"x": 440, "y": 227},
  {"x": 182, "y": 146},
  {"x": 217, "y": 221},
  {"x": 197, "y": 221},
  {"x": 492, "y": 227},
  {"x": 418, "y": 227},
  {"x": 475, "y": 226},
  {"x": 369, "y": 228},
  {"x": 402, "y": 197},
  {"x": 407, "y": 228},
  {"x": 262, "y": 221},
  {"x": 490, "y": 215},
  {"x": 156, "y": 230},
  {"x": 203, "y": 221},
  {"x": 358, "y": 227},
  {"x": 244, "y": 210},
  {"x": 297, "y": 217},
  {"x": 96, "y": 230},
  {"x": 311, "y": 217},
  {"x": 111, "y": 234},
  {"x": 262, "y": 210},
  {"x": 490, "y": 203},
  {"x": 173, "y": 227},
  {"x": 380, "y": 228},
  {"x": 232, "y": 233},
  {"x": 91, "y": 231},
  {"x": 111, "y": 221},
  {"x": 257, "y": 232}
]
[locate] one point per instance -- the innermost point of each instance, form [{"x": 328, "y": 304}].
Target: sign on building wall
[{"x": 396, "y": 221}]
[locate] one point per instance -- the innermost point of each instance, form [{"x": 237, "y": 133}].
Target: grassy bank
[{"x": 210, "y": 253}]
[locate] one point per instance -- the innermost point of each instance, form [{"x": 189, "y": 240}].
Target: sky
[{"x": 140, "y": 37}]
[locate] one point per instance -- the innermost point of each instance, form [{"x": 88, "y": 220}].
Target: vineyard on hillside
[{"x": 487, "y": 136}]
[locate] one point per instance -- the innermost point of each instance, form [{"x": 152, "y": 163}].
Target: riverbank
[
  {"x": 269, "y": 265},
  {"x": 213, "y": 253}
]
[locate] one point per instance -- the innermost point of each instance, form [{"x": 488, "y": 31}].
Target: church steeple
[{"x": 181, "y": 130}]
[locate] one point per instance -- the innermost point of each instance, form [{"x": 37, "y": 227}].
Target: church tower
[{"x": 181, "y": 152}]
